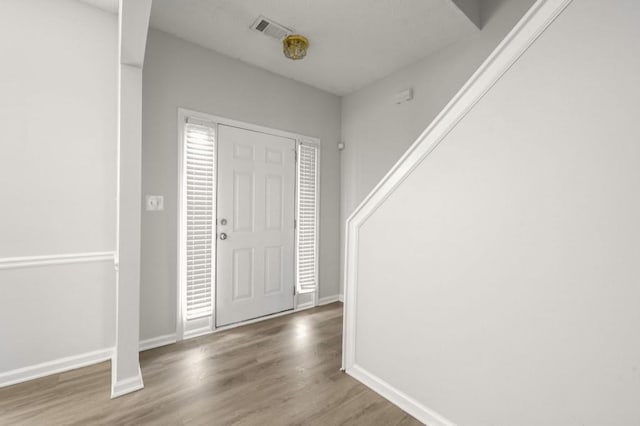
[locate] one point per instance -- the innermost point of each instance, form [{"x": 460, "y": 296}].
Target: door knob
[{"x": 223, "y": 236}]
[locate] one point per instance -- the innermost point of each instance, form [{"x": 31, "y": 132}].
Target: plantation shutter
[
  {"x": 199, "y": 204},
  {"x": 307, "y": 222}
]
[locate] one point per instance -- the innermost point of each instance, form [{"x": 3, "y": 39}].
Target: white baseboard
[
  {"x": 341, "y": 298},
  {"x": 53, "y": 367},
  {"x": 402, "y": 400},
  {"x": 128, "y": 385},
  {"x": 303, "y": 306},
  {"x": 202, "y": 331},
  {"x": 156, "y": 342},
  {"x": 329, "y": 299},
  {"x": 61, "y": 365}
]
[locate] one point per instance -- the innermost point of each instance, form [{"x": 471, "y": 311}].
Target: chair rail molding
[
  {"x": 56, "y": 259},
  {"x": 534, "y": 23}
]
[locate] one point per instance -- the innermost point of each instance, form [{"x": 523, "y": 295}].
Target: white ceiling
[{"x": 353, "y": 42}]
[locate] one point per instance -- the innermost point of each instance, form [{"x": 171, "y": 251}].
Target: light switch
[{"x": 154, "y": 203}]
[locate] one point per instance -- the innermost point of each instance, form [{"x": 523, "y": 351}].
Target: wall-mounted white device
[{"x": 404, "y": 96}]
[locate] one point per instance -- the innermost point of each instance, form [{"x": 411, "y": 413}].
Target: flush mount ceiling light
[{"x": 295, "y": 46}]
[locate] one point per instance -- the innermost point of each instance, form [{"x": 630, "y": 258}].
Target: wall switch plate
[{"x": 154, "y": 203}]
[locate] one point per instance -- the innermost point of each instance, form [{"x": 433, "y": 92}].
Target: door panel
[
  {"x": 256, "y": 196},
  {"x": 242, "y": 274},
  {"x": 243, "y": 196},
  {"x": 273, "y": 270},
  {"x": 273, "y": 199}
]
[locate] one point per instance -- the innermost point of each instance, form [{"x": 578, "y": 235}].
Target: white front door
[{"x": 256, "y": 196}]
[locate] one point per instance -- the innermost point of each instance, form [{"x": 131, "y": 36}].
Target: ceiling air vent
[{"x": 268, "y": 27}]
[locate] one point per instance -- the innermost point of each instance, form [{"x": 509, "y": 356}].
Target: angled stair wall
[{"x": 491, "y": 277}]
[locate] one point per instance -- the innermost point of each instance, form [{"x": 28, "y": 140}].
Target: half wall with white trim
[
  {"x": 57, "y": 185},
  {"x": 510, "y": 234}
]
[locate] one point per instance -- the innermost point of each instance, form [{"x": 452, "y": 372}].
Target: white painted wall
[
  {"x": 377, "y": 131},
  {"x": 181, "y": 74},
  {"x": 133, "y": 26},
  {"x": 513, "y": 248},
  {"x": 57, "y": 177}
]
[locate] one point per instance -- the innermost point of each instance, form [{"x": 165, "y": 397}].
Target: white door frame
[{"x": 207, "y": 326}]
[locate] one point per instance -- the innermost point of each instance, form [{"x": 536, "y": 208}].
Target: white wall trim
[
  {"x": 127, "y": 385},
  {"x": 298, "y": 305},
  {"x": 184, "y": 113},
  {"x": 197, "y": 332},
  {"x": 521, "y": 37},
  {"x": 55, "y": 259},
  {"x": 329, "y": 299},
  {"x": 303, "y": 306},
  {"x": 401, "y": 399},
  {"x": 54, "y": 367},
  {"x": 156, "y": 342},
  {"x": 74, "y": 362}
]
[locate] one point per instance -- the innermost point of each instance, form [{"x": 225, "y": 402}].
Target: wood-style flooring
[{"x": 283, "y": 371}]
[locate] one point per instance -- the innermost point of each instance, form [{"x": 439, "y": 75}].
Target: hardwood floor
[{"x": 284, "y": 371}]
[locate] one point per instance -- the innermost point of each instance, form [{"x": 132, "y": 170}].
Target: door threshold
[
  {"x": 204, "y": 332},
  {"x": 254, "y": 320},
  {"x": 248, "y": 322}
]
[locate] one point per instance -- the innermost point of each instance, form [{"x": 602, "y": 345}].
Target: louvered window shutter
[
  {"x": 307, "y": 222},
  {"x": 199, "y": 208}
]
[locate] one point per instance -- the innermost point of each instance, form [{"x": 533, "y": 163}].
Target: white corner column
[{"x": 126, "y": 376}]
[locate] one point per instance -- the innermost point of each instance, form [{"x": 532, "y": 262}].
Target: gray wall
[
  {"x": 181, "y": 74},
  {"x": 377, "y": 131},
  {"x": 57, "y": 177},
  {"x": 513, "y": 248}
]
